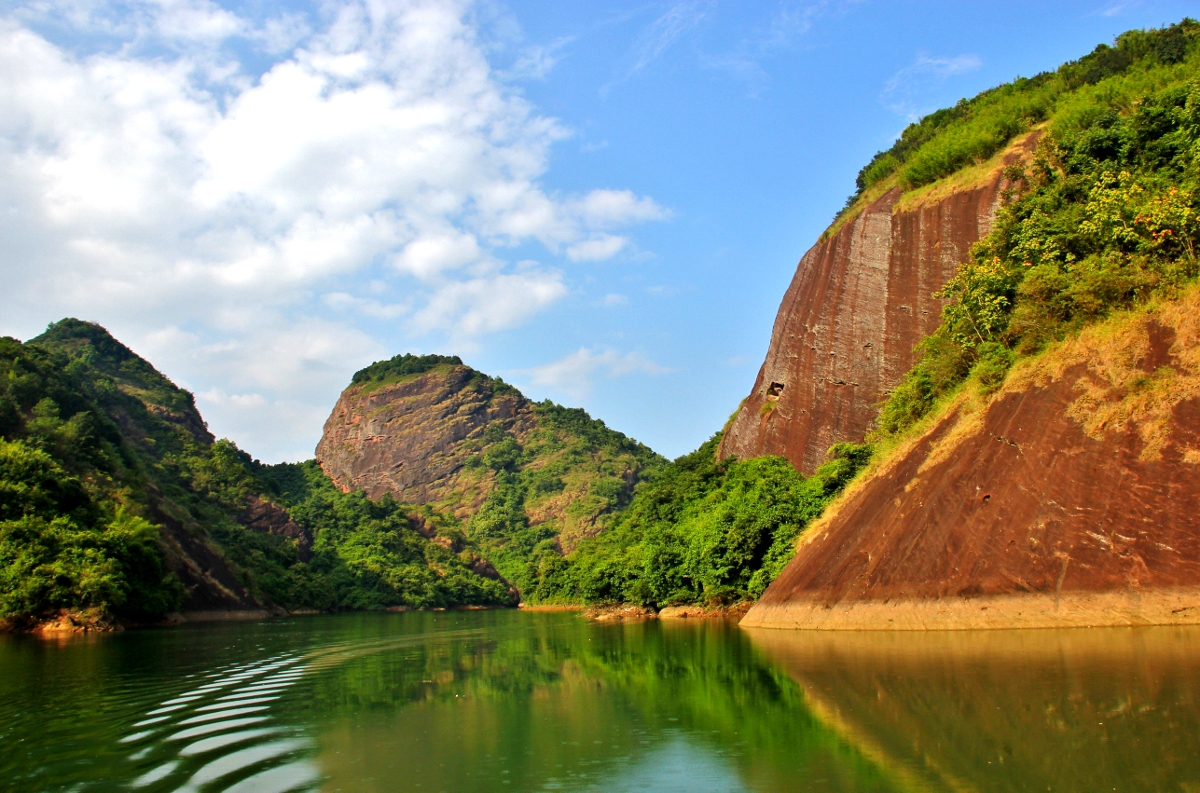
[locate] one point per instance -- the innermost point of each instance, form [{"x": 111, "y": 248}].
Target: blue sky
[{"x": 601, "y": 202}]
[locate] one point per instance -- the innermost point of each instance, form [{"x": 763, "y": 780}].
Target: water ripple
[{"x": 223, "y": 722}]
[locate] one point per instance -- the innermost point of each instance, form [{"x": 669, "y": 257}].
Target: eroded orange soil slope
[{"x": 1070, "y": 497}]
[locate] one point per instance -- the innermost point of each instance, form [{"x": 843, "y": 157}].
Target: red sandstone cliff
[
  {"x": 449, "y": 436},
  {"x": 406, "y": 438},
  {"x": 1070, "y": 497},
  {"x": 859, "y": 303}
]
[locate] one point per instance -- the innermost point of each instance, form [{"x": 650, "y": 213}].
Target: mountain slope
[
  {"x": 116, "y": 503},
  {"x": 870, "y": 290},
  {"x": 1070, "y": 497},
  {"x": 1036, "y": 466},
  {"x": 528, "y": 480}
]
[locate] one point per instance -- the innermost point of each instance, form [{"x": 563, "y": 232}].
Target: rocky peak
[
  {"x": 400, "y": 426},
  {"x": 92, "y": 345}
]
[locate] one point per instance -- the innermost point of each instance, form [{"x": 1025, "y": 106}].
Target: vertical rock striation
[
  {"x": 860, "y": 301},
  {"x": 1071, "y": 497}
]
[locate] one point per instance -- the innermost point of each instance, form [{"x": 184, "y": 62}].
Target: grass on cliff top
[
  {"x": 400, "y": 369},
  {"x": 975, "y": 130}
]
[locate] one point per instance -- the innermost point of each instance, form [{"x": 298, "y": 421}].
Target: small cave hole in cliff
[{"x": 774, "y": 391}]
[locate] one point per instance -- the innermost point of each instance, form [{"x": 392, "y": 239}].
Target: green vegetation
[
  {"x": 401, "y": 367},
  {"x": 73, "y": 527},
  {"x": 1104, "y": 217},
  {"x": 975, "y": 129},
  {"x": 62, "y": 548},
  {"x": 368, "y": 555},
  {"x": 567, "y": 480},
  {"x": 106, "y": 469},
  {"x": 699, "y": 531}
]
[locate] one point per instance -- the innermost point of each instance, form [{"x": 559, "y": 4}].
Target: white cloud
[
  {"x": 343, "y": 301},
  {"x": 607, "y": 208},
  {"x": 603, "y": 246},
  {"x": 573, "y": 374},
  {"x": 229, "y": 219},
  {"x": 431, "y": 253},
  {"x": 537, "y": 61},
  {"x": 613, "y": 299},
  {"x": 491, "y": 303},
  {"x": 907, "y": 91},
  {"x": 666, "y": 30}
]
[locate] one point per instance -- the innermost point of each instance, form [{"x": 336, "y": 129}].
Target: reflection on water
[
  {"x": 1071, "y": 710},
  {"x": 538, "y": 702}
]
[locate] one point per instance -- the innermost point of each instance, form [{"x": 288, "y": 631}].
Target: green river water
[{"x": 505, "y": 700}]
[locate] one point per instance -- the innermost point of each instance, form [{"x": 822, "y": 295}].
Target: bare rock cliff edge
[
  {"x": 860, "y": 301},
  {"x": 406, "y": 437},
  {"x": 1070, "y": 497}
]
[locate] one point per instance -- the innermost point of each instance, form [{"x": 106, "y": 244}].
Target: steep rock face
[
  {"x": 405, "y": 438},
  {"x": 264, "y": 517},
  {"x": 1072, "y": 497},
  {"x": 859, "y": 303}
]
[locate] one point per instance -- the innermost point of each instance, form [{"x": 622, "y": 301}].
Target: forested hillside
[{"x": 116, "y": 502}]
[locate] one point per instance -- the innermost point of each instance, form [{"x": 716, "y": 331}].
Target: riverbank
[
  {"x": 616, "y": 613},
  {"x": 1129, "y": 608}
]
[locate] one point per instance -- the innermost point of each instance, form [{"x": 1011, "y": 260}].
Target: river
[{"x": 506, "y": 700}]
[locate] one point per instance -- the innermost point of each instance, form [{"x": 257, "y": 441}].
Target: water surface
[{"x": 502, "y": 700}]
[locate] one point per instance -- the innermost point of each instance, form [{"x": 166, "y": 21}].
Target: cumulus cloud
[
  {"x": 495, "y": 302},
  {"x": 573, "y": 374},
  {"x": 603, "y": 246},
  {"x": 228, "y": 216}
]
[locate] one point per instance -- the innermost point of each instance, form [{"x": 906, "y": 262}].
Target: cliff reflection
[
  {"x": 557, "y": 703},
  {"x": 1071, "y": 710}
]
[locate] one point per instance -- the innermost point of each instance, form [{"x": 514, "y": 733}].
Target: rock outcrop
[
  {"x": 1071, "y": 497},
  {"x": 264, "y": 517},
  {"x": 434, "y": 433},
  {"x": 860, "y": 301},
  {"x": 407, "y": 437}
]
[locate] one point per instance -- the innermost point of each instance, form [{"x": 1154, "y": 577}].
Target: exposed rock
[
  {"x": 267, "y": 518},
  {"x": 859, "y": 303},
  {"x": 619, "y": 613},
  {"x": 736, "y": 611},
  {"x": 1070, "y": 498},
  {"x": 209, "y": 584},
  {"x": 406, "y": 438},
  {"x": 434, "y": 433},
  {"x": 64, "y": 621}
]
